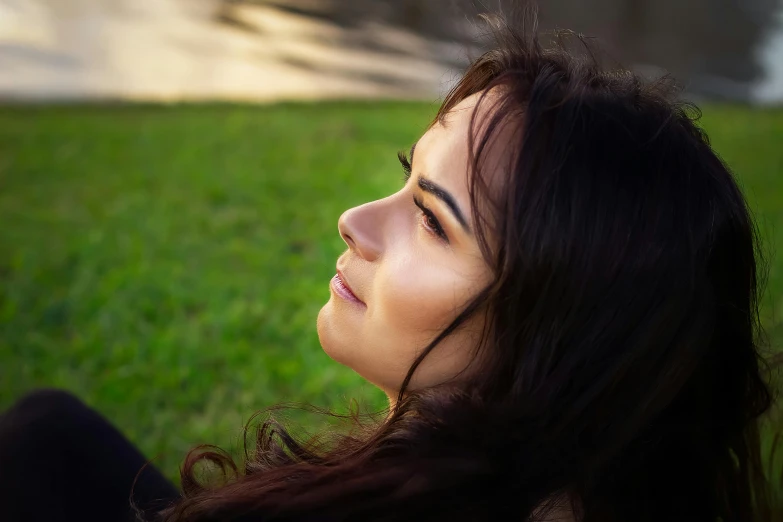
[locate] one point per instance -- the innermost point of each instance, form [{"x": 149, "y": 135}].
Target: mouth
[{"x": 341, "y": 288}]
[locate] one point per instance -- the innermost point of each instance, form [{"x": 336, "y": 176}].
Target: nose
[{"x": 362, "y": 229}]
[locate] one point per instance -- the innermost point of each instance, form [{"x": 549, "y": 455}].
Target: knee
[
  {"x": 37, "y": 436},
  {"x": 46, "y": 405}
]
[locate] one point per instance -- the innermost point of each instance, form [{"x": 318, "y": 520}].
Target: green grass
[{"x": 167, "y": 263}]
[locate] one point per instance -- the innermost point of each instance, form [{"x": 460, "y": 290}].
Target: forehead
[
  {"x": 444, "y": 147},
  {"x": 456, "y": 122},
  {"x": 446, "y": 141}
]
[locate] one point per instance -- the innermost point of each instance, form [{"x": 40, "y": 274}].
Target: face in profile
[{"x": 412, "y": 264}]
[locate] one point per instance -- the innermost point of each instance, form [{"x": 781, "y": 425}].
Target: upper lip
[{"x": 345, "y": 282}]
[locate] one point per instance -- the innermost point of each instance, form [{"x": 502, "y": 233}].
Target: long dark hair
[{"x": 619, "y": 377}]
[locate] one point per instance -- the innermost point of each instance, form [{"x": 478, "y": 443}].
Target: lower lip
[{"x": 342, "y": 290}]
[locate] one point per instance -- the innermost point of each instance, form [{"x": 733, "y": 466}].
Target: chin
[
  {"x": 328, "y": 333},
  {"x": 338, "y": 343}
]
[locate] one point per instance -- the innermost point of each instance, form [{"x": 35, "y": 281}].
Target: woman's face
[{"x": 412, "y": 268}]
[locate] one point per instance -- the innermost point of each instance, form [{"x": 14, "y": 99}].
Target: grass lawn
[{"x": 167, "y": 263}]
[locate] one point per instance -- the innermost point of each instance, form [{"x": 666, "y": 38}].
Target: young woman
[{"x": 561, "y": 302}]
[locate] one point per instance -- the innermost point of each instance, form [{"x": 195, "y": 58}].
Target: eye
[
  {"x": 430, "y": 222},
  {"x": 406, "y": 165}
]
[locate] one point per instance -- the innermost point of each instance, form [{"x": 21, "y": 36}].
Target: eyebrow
[{"x": 442, "y": 194}]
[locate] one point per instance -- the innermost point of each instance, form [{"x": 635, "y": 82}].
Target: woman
[{"x": 561, "y": 303}]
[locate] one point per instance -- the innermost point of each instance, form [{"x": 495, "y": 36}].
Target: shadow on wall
[
  {"x": 712, "y": 47},
  {"x": 436, "y": 20},
  {"x": 314, "y": 49}
]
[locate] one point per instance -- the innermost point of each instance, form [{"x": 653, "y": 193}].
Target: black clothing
[{"x": 61, "y": 461}]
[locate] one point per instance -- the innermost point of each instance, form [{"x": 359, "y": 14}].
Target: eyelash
[
  {"x": 431, "y": 222},
  {"x": 406, "y": 165}
]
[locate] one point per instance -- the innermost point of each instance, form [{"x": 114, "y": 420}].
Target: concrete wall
[
  {"x": 204, "y": 49},
  {"x": 271, "y": 49}
]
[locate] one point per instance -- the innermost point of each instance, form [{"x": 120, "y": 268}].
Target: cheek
[
  {"x": 417, "y": 297},
  {"x": 414, "y": 299}
]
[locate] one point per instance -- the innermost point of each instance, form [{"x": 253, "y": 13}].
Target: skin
[{"x": 412, "y": 283}]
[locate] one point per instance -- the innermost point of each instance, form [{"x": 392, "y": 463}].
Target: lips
[{"x": 341, "y": 287}]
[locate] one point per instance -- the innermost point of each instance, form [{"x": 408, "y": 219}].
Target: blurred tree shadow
[
  {"x": 437, "y": 19},
  {"x": 439, "y": 23},
  {"x": 710, "y": 46}
]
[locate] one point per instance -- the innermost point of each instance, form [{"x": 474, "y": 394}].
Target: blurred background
[
  {"x": 172, "y": 172},
  {"x": 284, "y": 49}
]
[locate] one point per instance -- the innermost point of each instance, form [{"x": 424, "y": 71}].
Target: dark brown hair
[{"x": 620, "y": 370}]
